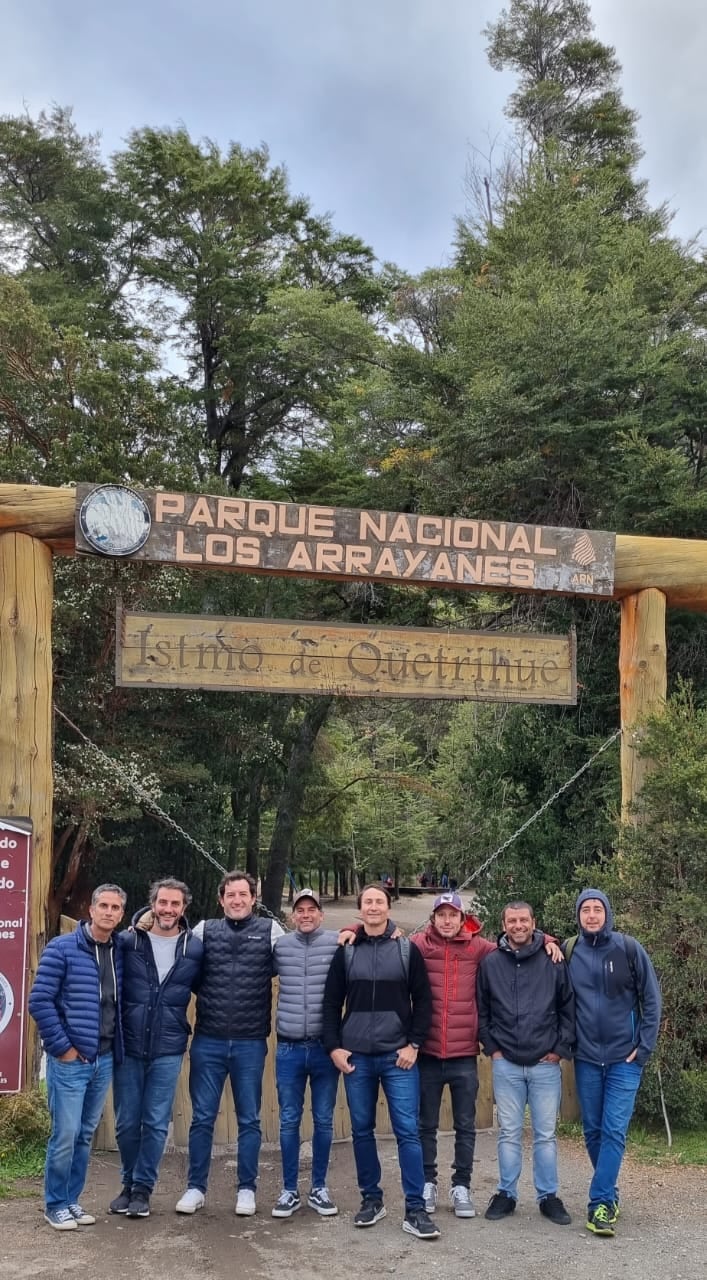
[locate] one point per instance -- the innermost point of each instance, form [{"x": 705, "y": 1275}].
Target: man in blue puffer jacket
[
  {"x": 162, "y": 966},
  {"x": 75, "y": 1002},
  {"x": 618, "y": 1017}
]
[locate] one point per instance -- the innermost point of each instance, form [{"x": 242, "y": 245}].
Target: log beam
[
  {"x": 676, "y": 566},
  {"x": 26, "y": 780},
  {"x": 643, "y": 674}
]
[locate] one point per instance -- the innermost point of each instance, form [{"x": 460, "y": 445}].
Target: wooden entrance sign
[
  {"x": 285, "y": 538},
  {"x": 180, "y": 651}
]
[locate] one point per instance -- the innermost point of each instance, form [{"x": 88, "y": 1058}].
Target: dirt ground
[{"x": 662, "y": 1234}]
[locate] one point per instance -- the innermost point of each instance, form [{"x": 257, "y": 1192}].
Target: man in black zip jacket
[
  {"x": 384, "y": 985},
  {"x": 161, "y": 966},
  {"x": 526, "y": 1025}
]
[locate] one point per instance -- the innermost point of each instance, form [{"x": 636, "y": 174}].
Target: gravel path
[{"x": 662, "y": 1234}]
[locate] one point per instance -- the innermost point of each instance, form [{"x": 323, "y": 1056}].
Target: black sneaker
[
  {"x": 599, "y": 1221},
  {"x": 419, "y": 1223},
  {"x": 139, "y": 1206},
  {"x": 500, "y": 1206},
  {"x": 552, "y": 1207},
  {"x": 371, "y": 1211},
  {"x": 121, "y": 1202}
]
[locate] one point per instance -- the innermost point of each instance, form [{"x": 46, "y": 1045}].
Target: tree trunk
[
  {"x": 252, "y": 844},
  {"x": 290, "y": 804}
]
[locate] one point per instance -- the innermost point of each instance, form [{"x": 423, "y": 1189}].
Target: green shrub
[{"x": 24, "y": 1121}]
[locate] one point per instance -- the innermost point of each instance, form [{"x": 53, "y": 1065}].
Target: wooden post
[
  {"x": 643, "y": 673},
  {"x": 26, "y": 783}
]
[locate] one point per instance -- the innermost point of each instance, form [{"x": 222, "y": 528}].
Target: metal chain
[
  {"x": 539, "y": 812},
  {"x": 151, "y": 804},
  {"x": 533, "y": 818}
]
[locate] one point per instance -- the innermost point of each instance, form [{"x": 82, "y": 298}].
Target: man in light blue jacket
[
  {"x": 302, "y": 961},
  {"x": 618, "y": 1009}
]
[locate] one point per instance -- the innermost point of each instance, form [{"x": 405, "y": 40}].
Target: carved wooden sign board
[
  {"x": 180, "y": 651},
  {"x": 240, "y": 534}
]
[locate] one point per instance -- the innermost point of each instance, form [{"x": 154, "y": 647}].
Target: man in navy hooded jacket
[
  {"x": 161, "y": 967},
  {"x": 618, "y": 1017}
]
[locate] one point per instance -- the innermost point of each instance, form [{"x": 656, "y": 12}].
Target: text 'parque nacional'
[{"x": 247, "y": 535}]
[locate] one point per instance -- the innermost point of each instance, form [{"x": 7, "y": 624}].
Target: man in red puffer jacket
[{"x": 452, "y": 950}]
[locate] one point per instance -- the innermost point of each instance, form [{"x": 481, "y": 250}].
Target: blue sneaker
[{"x": 60, "y": 1219}]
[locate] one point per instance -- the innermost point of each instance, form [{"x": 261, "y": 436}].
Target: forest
[{"x": 173, "y": 317}]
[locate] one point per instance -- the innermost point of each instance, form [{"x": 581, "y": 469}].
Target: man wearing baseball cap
[
  {"x": 452, "y": 949},
  {"x": 302, "y": 960}
]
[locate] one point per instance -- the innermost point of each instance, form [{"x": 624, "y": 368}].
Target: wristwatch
[{"x": 413, "y": 1045}]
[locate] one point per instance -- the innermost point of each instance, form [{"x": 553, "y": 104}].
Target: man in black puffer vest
[{"x": 233, "y": 1013}]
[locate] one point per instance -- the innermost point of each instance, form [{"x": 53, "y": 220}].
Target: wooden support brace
[
  {"x": 643, "y": 673},
  {"x": 26, "y": 779}
]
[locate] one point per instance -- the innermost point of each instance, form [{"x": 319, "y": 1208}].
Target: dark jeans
[
  {"x": 463, "y": 1079},
  {"x": 402, "y": 1092},
  {"x": 210, "y": 1062}
]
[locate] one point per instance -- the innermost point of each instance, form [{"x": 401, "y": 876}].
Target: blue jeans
[
  {"x": 402, "y": 1091},
  {"x": 143, "y": 1094},
  {"x": 538, "y": 1087},
  {"x": 606, "y": 1095},
  {"x": 210, "y": 1061},
  {"x": 76, "y": 1092},
  {"x": 296, "y": 1061}
]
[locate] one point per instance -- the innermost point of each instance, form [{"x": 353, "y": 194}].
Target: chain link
[
  {"x": 150, "y": 803},
  {"x": 533, "y": 818}
]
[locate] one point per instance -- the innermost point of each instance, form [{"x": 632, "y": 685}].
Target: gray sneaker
[
  {"x": 429, "y": 1195},
  {"x": 462, "y": 1203},
  {"x": 80, "y": 1215}
]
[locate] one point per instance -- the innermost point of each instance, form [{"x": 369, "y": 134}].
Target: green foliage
[{"x": 23, "y": 1121}]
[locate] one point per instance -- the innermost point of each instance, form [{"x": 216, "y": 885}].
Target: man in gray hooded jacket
[
  {"x": 618, "y": 1017},
  {"x": 302, "y": 961}
]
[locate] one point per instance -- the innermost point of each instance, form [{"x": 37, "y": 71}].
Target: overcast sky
[{"x": 373, "y": 106}]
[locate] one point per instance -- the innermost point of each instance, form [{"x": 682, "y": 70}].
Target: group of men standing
[{"x": 383, "y": 1011}]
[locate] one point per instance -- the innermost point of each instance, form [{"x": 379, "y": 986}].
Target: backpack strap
[
  {"x": 403, "y": 949},
  {"x": 569, "y": 946}
]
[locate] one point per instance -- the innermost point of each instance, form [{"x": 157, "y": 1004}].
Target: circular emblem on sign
[
  {"x": 7, "y": 1002},
  {"x": 115, "y": 520}
]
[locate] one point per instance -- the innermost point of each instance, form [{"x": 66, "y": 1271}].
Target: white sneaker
[
  {"x": 192, "y": 1200},
  {"x": 429, "y": 1193},
  {"x": 245, "y": 1204},
  {"x": 462, "y": 1203}
]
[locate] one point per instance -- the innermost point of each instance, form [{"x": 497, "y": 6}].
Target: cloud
[{"x": 372, "y": 107}]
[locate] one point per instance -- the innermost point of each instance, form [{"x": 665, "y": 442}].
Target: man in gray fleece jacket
[{"x": 302, "y": 961}]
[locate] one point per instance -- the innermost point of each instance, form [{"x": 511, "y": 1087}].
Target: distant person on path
[
  {"x": 161, "y": 969},
  {"x": 526, "y": 1025},
  {"x": 618, "y": 1019},
  {"x": 383, "y": 984},
  {"x": 233, "y": 1015},
  {"x": 302, "y": 961},
  {"x": 75, "y": 1002}
]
